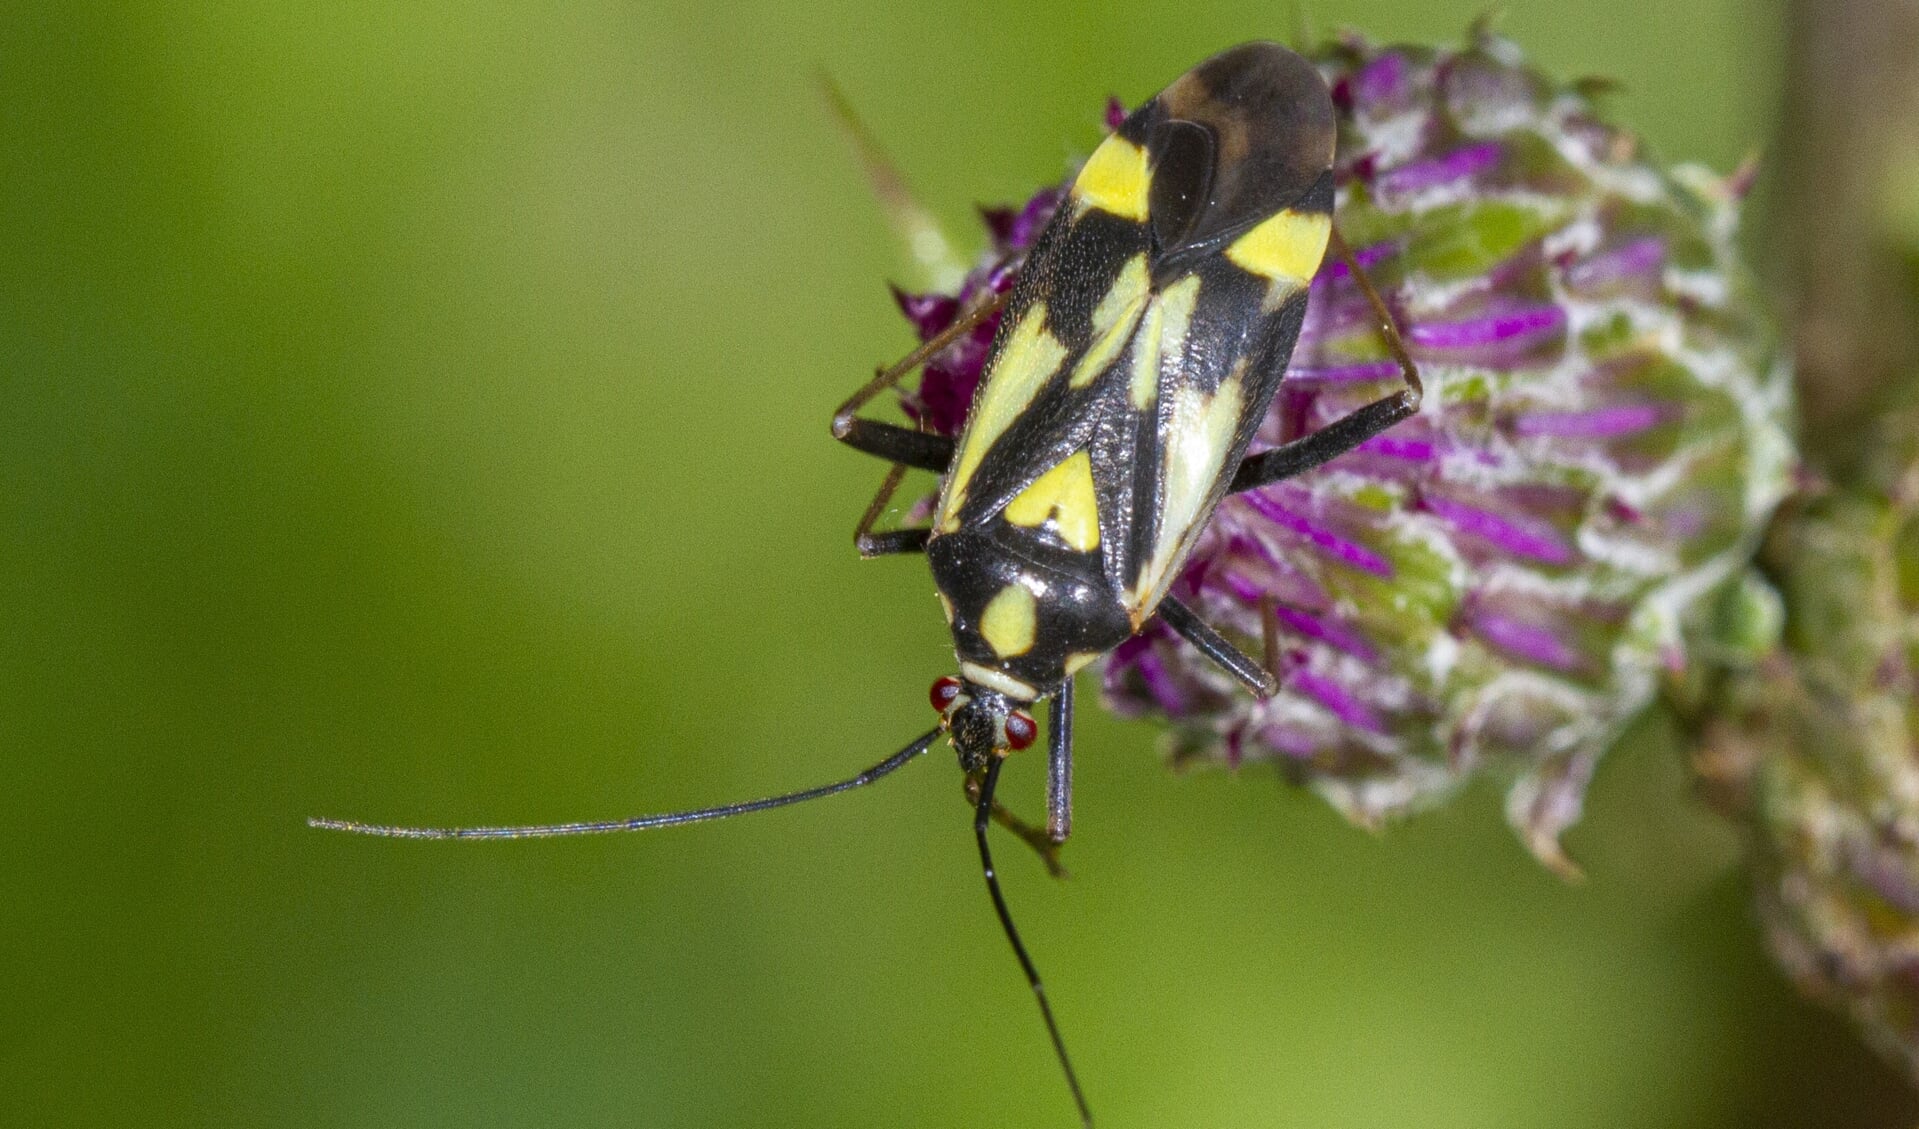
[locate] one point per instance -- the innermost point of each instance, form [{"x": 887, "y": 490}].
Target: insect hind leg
[
  {"x": 1261, "y": 680},
  {"x": 1349, "y": 431}
]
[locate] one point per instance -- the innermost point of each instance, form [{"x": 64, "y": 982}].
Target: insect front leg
[
  {"x": 1035, "y": 837},
  {"x": 904, "y": 447},
  {"x": 1059, "y": 765},
  {"x": 1349, "y": 431}
]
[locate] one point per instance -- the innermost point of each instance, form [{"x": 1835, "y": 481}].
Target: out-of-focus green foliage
[
  {"x": 417, "y": 412},
  {"x": 1811, "y": 750}
]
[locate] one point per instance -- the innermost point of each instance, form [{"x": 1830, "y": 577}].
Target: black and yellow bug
[{"x": 1136, "y": 355}]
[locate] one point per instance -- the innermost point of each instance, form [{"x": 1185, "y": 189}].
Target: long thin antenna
[
  {"x": 983, "y": 815},
  {"x": 638, "y": 822}
]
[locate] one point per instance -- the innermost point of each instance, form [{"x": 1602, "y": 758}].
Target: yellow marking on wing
[
  {"x": 1285, "y": 248},
  {"x": 1143, "y": 388},
  {"x": 1029, "y": 358},
  {"x": 1064, "y": 494},
  {"x": 1177, "y": 303},
  {"x": 1127, "y": 288},
  {"x": 1161, "y": 338},
  {"x": 1010, "y": 621},
  {"x": 1197, "y": 440},
  {"x": 1113, "y": 321},
  {"x": 1114, "y": 179}
]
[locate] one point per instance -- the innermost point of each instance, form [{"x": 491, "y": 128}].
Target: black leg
[
  {"x": 895, "y": 542},
  {"x": 896, "y": 444},
  {"x": 901, "y": 446},
  {"x": 892, "y": 442},
  {"x": 871, "y": 544},
  {"x": 1183, "y": 620},
  {"x": 1342, "y": 435},
  {"x": 1059, "y": 765},
  {"x": 1324, "y": 445}
]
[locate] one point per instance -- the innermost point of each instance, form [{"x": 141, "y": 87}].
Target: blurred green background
[{"x": 418, "y": 412}]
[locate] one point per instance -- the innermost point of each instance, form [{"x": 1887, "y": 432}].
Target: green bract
[{"x": 1814, "y": 750}]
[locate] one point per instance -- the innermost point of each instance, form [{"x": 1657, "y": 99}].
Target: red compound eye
[
  {"x": 943, "y": 693},
  {"x": 1020, "y": 730}
]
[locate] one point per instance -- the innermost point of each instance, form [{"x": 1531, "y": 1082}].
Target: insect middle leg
[
  {"x": 904, "y": 447},
  {"x": 1349, "y": 431},
  {"x": 871, "y": 544},
  {"x": 889, "y": 441}
]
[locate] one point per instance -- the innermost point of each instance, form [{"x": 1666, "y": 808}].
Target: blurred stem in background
[
  {"x": 1848, "y": 161},
  {"x": 1812, "y": 748}
]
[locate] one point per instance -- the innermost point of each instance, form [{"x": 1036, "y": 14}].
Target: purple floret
[
  {"x": 1510, "y": 534},
  {"x": 1499, "y": 333},
  {"x": 1598, "y": 423},
  {"x": 1341, "y": 549},
  {"x": 1457, "y": 165}
]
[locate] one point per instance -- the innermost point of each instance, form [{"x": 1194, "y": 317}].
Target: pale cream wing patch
[
  {"x": 1196, "y": 438},
  {"x": 1113, "y": 321},
  {"x": 1197, "y": 430},
  {"x": 1162, "y": 340}
]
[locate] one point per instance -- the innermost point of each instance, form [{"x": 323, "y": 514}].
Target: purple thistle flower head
[{"x": 1498, "y": 584}]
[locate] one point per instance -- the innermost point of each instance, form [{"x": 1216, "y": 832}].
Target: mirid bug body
[{"x": 1136, "y": 356}]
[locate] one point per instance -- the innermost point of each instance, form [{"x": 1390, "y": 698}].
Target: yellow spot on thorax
[
  {"x": 1114, "y": 179},
  {"x": 1285, "y": 248},
  {"x": 1030, "y": 357},
  {"x": 1064, "y": 494},
  {"x": 1009, "y": 621}
]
